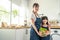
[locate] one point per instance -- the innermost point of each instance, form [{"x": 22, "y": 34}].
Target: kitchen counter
[
  {"x": 22, "y": 27},
  {"x": 55, "y": 27}
]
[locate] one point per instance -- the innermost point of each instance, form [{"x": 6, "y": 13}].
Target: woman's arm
[
  {"x": 33, "y": 25},
  {"x": 33, "y": 19}
]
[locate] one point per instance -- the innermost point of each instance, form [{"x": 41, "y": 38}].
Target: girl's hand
[
  {"x": 40, "y": 33},
  {"x": 47, "y": 33}
]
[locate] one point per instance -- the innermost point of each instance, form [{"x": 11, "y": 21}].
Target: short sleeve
[{"x": 33, "y": 17}]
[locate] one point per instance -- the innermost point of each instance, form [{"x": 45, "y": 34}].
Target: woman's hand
[{"x": 40, "y": 33}]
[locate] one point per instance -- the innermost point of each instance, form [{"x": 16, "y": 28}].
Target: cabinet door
[
  {"x": 55, "y": 37},
  {"x": 22, "y": 34},
  {"x": 55, "y": 34},
  {"x": 7, "y": 34},
  {"x": 28, "y": 34}
]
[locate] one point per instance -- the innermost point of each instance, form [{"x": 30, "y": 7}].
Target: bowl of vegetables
[{"x": 43, "y": 31}]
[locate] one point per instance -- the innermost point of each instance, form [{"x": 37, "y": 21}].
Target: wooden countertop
[
  {"x": 55, "y": 27},
  {"x": 22, "y": 27}
]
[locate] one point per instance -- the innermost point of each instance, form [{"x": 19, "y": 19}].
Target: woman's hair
[
  {"x": 36, "y": 5},
  {"x": 43, "y": 18}
]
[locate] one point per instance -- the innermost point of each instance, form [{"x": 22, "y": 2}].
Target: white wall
[{"x": 47, "y": 7}]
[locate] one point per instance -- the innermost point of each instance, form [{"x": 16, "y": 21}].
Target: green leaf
[
  {"x": 42, "y": 29},
  {"x": 15, "y": 12}
]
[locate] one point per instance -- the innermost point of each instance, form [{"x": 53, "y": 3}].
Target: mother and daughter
[{"x": 40, "y": 28}]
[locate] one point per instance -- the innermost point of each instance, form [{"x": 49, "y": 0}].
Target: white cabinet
[
  {"x": 7, "y": 34},
  {"x": 28, "y": 34},
  {"x": 22, "y": 34},
  {"x": 55, "y": 34},
  {"x": 14, "y": 34}
]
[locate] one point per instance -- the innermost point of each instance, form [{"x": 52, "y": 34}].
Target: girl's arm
[{"x": 49, "y": 27}]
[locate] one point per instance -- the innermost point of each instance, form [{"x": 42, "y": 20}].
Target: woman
[{"x": 36, "y": 21}]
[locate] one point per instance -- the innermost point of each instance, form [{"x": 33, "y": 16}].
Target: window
[
  {"x": 5, "y": 11},
  {"x": 13, "y": 12}
]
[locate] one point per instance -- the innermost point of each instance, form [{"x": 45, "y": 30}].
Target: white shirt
[{"x": 34, "y": 17}]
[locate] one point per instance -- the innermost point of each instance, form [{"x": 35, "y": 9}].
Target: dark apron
[{"x": 33, "y": 34}]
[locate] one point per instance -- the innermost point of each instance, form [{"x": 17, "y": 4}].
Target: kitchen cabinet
[
  {"x": 14, "y": 34},
  {"x": 7, "y": 34},
  {"x": 22, "y": 34},
  {"x": 55, "y": 34}
]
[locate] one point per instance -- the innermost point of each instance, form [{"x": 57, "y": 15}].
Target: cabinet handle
[
  {"x": 26, "y": 31},
  {"x": 55, "y": 31}
]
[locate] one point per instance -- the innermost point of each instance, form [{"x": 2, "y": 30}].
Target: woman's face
[
  {"x": 35, "y": 9},
  {"x": 45, "y": 21}
]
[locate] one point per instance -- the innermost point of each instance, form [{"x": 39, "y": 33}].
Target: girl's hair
[
  {"x": 43, "y": 18},
  {"x": 36, "y": 5}
]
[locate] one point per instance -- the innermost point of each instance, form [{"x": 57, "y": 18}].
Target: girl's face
[
  {"x": 35, "y": 9},
  {"x": 45, "y": 21}
]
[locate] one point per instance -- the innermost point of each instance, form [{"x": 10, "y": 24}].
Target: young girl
[{"x": 45, "y": 27}]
